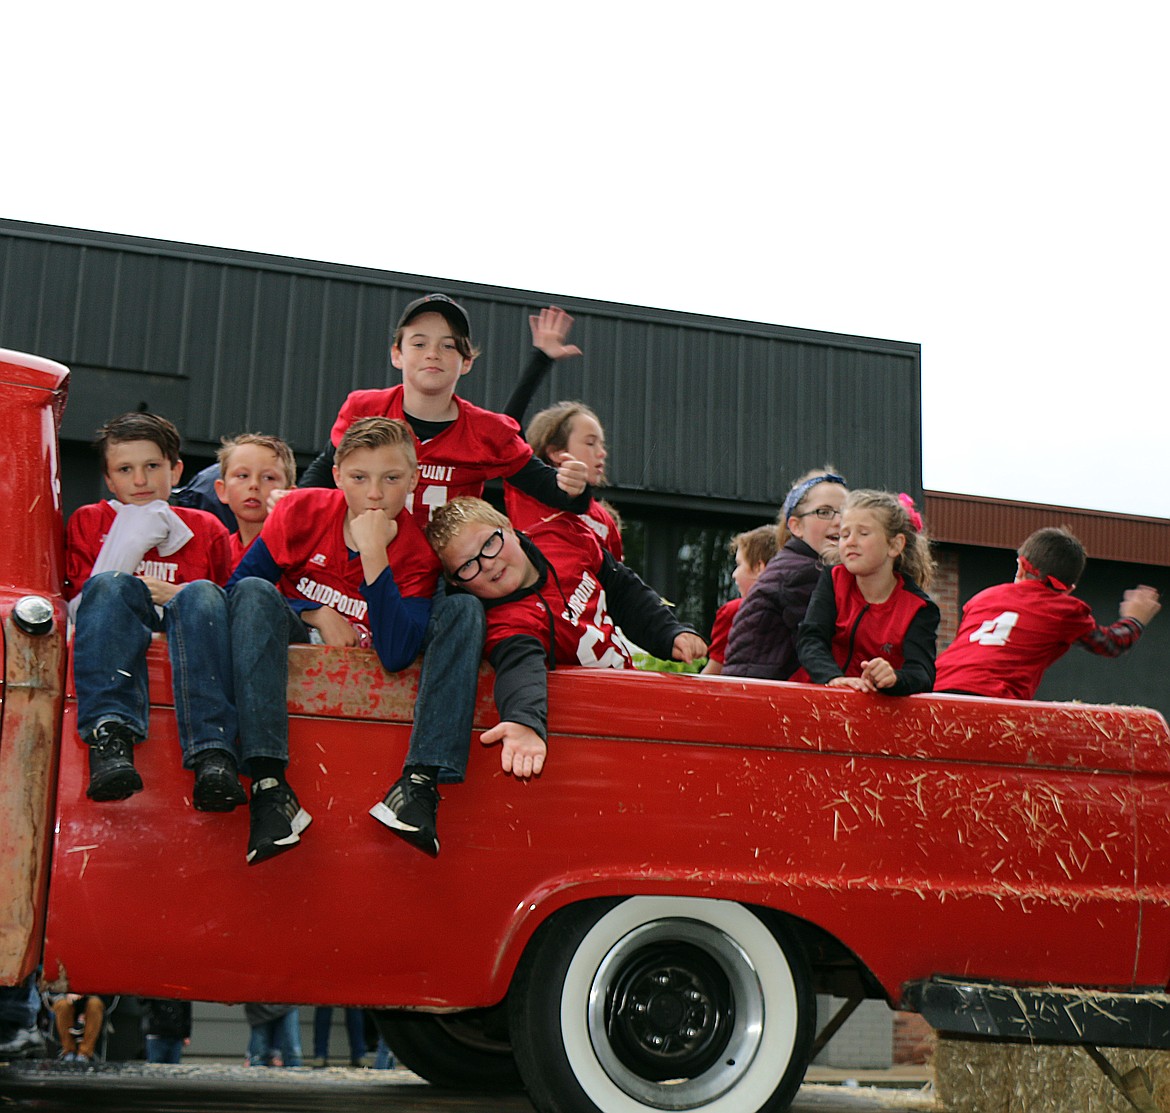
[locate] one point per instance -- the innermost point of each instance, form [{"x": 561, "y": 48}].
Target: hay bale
[{"x": 973, "y": 1076}]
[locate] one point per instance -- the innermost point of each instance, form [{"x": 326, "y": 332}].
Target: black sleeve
[
  {"x": 918, "y": 652},
  {"x": 639, "y": 610},
  {"x": 521, "y": 689},
  {"x": 539, "y": 480},
  {"x": 814, "y": 643},
  {"x": 320, "y": 472},
  {"x": 792, "y": 599},
  {"x": 200, "y": 494},
  {"x": 538, "y": 366}
]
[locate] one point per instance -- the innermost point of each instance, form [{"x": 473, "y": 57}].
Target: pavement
[
  {"x": 903, "y": 1076},
  {"x": 900, "y": 1076}
]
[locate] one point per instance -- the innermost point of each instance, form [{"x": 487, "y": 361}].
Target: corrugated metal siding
[
  {"x": 971, "y": 520},
  {"x": 699, "y": 411}
]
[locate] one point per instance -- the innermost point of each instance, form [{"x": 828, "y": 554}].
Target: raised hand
[{"x": 550, "y": 328}]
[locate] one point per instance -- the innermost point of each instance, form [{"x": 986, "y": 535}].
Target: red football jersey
[
  {"x": 525, "y": 511},
  {"x": 573, "y": 598},
  {"x": 207, "y": 556},
  {"x": 304, "y": 536},
  {"x": 238, "y": 548},
  {"x": 1009, "y": 635},
  {"x": 477, "y": 446}
]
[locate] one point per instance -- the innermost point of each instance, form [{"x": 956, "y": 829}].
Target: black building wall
[{"x": 708, "y": 420}]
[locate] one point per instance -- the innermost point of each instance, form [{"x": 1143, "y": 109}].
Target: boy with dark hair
[
  {"x": 549, "y": 597},
  {"x": 1011, "y": 633},
  {"x": 460, "y": 445},
  {"x": 351, "y": 564},
  {"x": 132, "y": 564}
]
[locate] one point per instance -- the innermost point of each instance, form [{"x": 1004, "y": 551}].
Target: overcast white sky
[{"x": 989, "y": 179}]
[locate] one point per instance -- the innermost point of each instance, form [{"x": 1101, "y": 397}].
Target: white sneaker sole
[
  {"x": 299, "y": 822},
  {"x": 387, "y": 818},
  {"x": 384, "y": 815}
]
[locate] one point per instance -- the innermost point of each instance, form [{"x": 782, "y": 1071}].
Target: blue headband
[{"x": 794, "y": 497}]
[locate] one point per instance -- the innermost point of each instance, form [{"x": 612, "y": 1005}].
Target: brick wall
[
  {"x": 913, "y": 1038},
  {"x": 945, "y": 592}
]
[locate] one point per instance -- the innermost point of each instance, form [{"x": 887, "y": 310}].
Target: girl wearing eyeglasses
[{"x": 762, "y": 642}]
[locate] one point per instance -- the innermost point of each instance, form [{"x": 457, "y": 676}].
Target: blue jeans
[
  {"x": 19, "y": 1004},
  {"x": 115, "y": 621},
  {"x": 445, "y": 707},
  {"x": 355, "y": 1029},
  {"x": 263, "y": 626},
  {"x": 383, "y": 1056},
  {"x": 283, "y": 1035},
  {"x": 163, "y": 1049}
]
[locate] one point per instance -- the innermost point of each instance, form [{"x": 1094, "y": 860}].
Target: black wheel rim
[
  {"x": 670, "y": 1011},
  {"x": 684, "y": 1071}
]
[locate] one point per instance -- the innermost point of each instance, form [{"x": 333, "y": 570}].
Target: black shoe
[
  {"x": 277, "y": 820},
  {"x": 217, "y": 787},
  {"x": 409, "y": 811},
  {"x": 112, "y": 775}
]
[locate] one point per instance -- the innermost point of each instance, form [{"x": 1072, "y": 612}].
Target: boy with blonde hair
[
  {"x": 549, "y": 598},
  {"x": 1010, "y": 634},
  {"x": 251, "y": 467},
  {"x": 350, "y": 563}
]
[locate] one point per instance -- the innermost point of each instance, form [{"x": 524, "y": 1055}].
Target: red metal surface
[
  {"x": 32, "y": 393},
  {"x": 934, "y": 835}
]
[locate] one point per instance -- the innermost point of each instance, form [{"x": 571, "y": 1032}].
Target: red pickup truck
[{"x": 642, "y": 927}]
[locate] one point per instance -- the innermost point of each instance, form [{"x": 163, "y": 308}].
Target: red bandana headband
[{"x": 1031, "y": 570}]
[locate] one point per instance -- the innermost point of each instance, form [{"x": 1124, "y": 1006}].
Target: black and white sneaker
[
  {"x": 112, "y": 775},
  {"x": 409, "y": 811},
  {"x": 23, "y": 1043},
  {"x": 277, "y": 820},
  {"x": 217, "y": 786}
]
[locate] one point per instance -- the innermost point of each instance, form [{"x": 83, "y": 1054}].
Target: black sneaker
[
  {"x": 112, "y": 775},
  {"x": 409, "y": 811},
  {"x": 217, "y": 787},
  {"x": 277, "y": 820}
]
